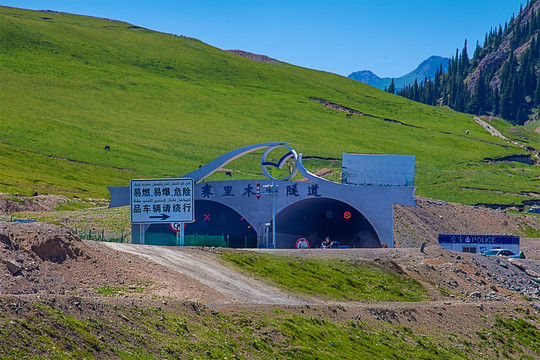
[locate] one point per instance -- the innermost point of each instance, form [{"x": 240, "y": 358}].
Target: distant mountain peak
[
  {"x": 365, "y": 76},
  {"x": 431, "y": 61},
  {"x": 427, "y": 68},
  {"x": 501, "y": 79}
]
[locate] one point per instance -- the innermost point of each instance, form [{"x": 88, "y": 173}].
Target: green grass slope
[
  {"x": 77, "y": 328},
  {"x": 69, "y": 85},
  {"x": 340, "y": 280}
]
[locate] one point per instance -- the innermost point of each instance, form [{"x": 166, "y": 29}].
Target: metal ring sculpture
[{"x": 290, "y": 154}]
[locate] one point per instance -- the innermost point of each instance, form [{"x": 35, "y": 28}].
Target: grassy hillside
[
  {"x": 76, "y": 328},
  {"x": 341, "y": 279},
  {"x": 165, "y": 104},
  {"x": 60, "y": 330}
]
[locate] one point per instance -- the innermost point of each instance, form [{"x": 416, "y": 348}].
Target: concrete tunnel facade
[{"x": 242, "y": 211}]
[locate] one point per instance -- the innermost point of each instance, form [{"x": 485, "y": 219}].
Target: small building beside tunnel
[
  {"x": 479, "y": 243},
  {"x": 244, "y": 213}
]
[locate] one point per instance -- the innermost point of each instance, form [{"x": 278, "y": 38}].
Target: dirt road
[
  {"x": 237, "y": 286},
  {"x": 489, "y": 128}
]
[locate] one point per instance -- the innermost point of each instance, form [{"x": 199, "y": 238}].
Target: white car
[{"x": 503, "y": 252}]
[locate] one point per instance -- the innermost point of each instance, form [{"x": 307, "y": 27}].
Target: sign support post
[
  {"x": 178, "y": 228},
  {"x": 273, "y": 191},
  {"x": 182, "y": 234}
]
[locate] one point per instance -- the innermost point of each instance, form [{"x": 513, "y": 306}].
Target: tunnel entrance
[
  {"x": 213, "y": 218},
  {"x": 315, "y": 219},
  {"x": 311, "y": 219},
  {"x": 215, "y": 225}
]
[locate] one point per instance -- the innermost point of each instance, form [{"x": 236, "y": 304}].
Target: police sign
[
  {"x": 478, "y": 243},
  {"x": 162, "y": 200},
  {"x": 478, "y": 239}
]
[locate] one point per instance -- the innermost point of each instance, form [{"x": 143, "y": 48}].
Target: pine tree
[
  {"x": 506, "y": 103},
  {"x": 510, "y": 90},
  {"x": 392, "y": 87},
  {"x": 522, "y": 115},
  {"x": 495, "y": 109},
  {"x": 536, "y": 96},
  {"x": 478, "y": 102},
  {"x": 416, "y": 91},
  {"x": 517, "y": 101},
  {"x": 464, "y": 60}
]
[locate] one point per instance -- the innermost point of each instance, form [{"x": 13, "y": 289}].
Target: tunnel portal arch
[
  {"x": 212, "y": 220},
  {"x": 315, "y": 219},
  {"x": 368, "y": 202}
]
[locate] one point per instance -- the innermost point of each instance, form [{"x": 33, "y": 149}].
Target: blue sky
[{"x": 388, "y": 37}]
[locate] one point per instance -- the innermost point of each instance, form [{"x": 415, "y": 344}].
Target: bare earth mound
[
  {"x": 50, "y": 264},
  {"x": 12, "y": 203},
  {"x": 413, "y": 226},
  {"x": 47, "y": 259}
]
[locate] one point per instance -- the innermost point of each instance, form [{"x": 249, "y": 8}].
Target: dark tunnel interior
[
  {"x": 315, "y": 219},
  {"x": 215, "y": 225},
  {"x": 311, "y": 219}
]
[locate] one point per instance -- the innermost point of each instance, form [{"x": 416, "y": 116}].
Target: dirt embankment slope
[
  {"x": 48, "y": 262},
  {"x": 40, "y": 258},
  {"x": 413, "y": 226},
  {"x": 44, "y": 260}
]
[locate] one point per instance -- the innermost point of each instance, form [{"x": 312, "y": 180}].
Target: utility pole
[{"x": 272, "y": 189}]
